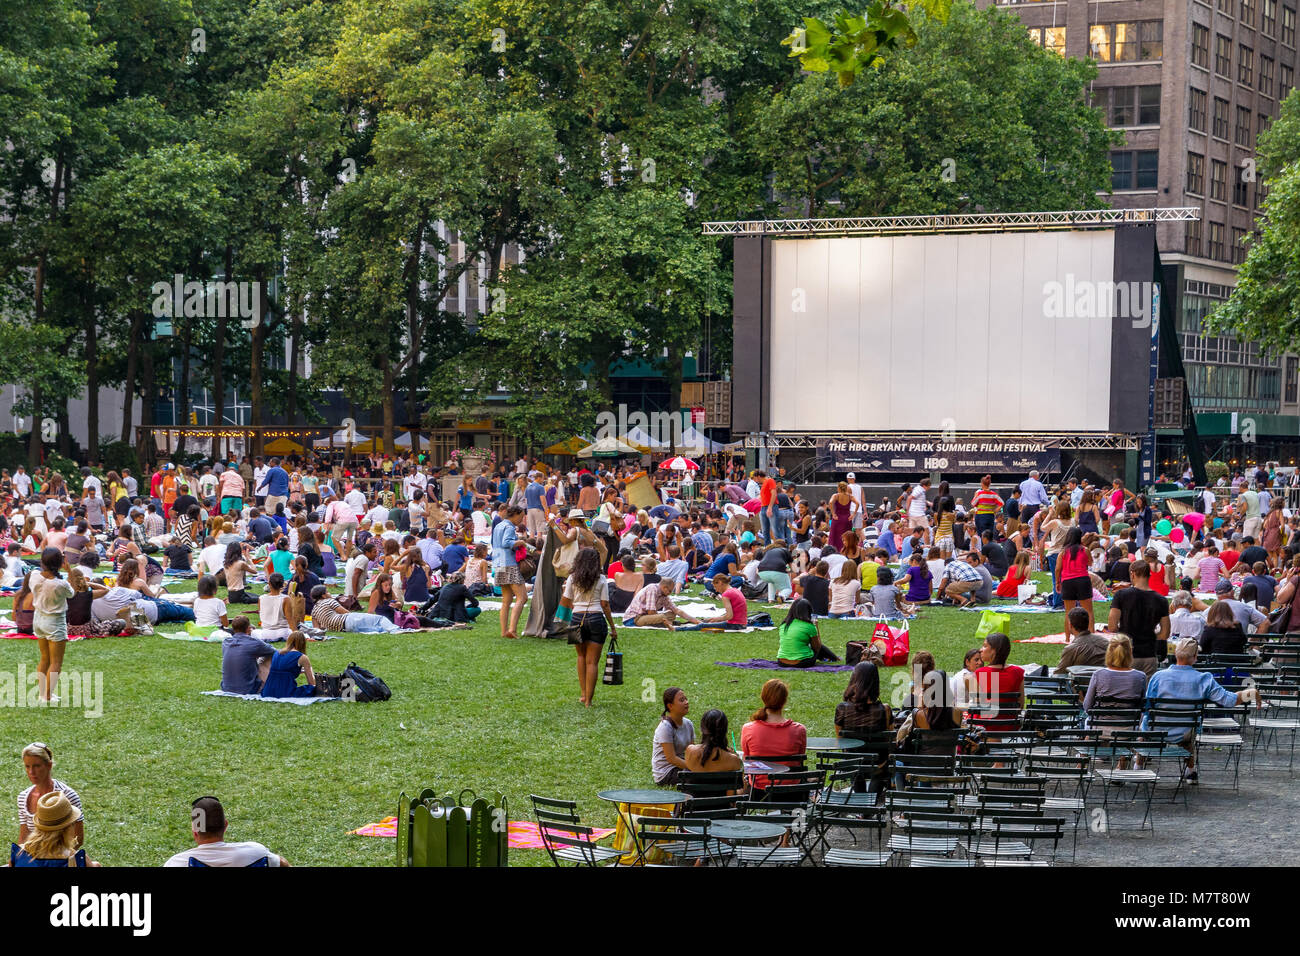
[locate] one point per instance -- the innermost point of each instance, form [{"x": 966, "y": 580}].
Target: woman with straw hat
[
  {"x": 38, "y": 761},
  {"x": 57, "y": 837}
]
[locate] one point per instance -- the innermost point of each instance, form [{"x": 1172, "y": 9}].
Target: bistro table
[
  {"x": 741, "y": 830},
  {"x": 833, "y": 743},
  {"x": 638, "y": 798}
]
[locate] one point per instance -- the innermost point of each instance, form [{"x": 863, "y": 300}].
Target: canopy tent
[
  {"x": 644, "y": 443},
  {"x": 377, "y": 443},
  {"x": 570, "y": 446},
  {"x": 695, "y": 442},
  {"x": 282, "y": 446},
  {"x": 341, "y": 438},
  {"x": 607, "y": 447}
]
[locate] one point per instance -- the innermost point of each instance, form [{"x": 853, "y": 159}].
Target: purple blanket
[{"x": 756, "y": 664}]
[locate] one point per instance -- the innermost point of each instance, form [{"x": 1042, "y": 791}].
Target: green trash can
[{"x": 456, "y": 830}]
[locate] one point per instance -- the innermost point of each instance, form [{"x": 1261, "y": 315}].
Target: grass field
[{"x": 469, "y": 709}]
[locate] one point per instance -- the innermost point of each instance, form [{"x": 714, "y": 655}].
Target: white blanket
[{"x": 271, "y": 700}]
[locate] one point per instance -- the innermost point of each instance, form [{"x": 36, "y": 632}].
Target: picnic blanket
[
  {"x": 71, "y": 637},
  {"x": 270, "y": 700},
  {"x": 521, "y": 835},
  {"x": 758, "y": 664},
  {"x": 177, "y": 573},
  {"x": 1014, "y": 608},
  {"x": 1044, "y": 639}
]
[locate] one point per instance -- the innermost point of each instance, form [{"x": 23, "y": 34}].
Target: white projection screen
[{"x": 923, "y": 333}]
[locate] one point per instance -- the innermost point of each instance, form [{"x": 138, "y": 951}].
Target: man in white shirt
[
  {"x": 208, "y": 825},
  {"x": 356, "y": 499},
  {"x": 412, "y": 482},
  {"x": 521, "y": 466},
  {"x": 916, "y": 504},
  {"x": 22, "y": 482},
  {"x": 751, "y": 487},
  {"x": 259, "y": 472},
  {"x": 378, "y": 513},
  {"x": 212, "y": 558},
  {"x": 855, "y": 490},
  {"x": 88, "y": 481},
  {"x": 208, "y": 487},
  {"x": 53, "y": 509},
  {"x": 354, "y": 578}
]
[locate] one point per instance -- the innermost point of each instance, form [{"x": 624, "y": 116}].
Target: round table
[
  {"x": 833, "y": 743},
  {"x": 633, "y": 797},
  {"x": 745, "y": 829}
]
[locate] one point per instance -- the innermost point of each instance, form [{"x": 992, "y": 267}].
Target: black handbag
[{"x": 613, "y": 664}]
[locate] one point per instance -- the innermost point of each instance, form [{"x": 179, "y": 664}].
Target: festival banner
[{"x": 885, "y": 456}]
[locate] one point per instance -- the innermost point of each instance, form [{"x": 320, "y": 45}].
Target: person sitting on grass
[
  {"x": 56, "y": 841},
  {"x": 713, "y": 754},
  {"x": 272, "y": 612},
  {"x": 208, "y": 825},
  {"x": 236, "y": 568},
  {"x": 1083, "y": 647},
  {"x": 282, "y": 678},
  {"x": 887, "y": 601},
  {"x": 209, "y": 610},
  {"x": 652, "y": 606},
  {"x": 245, "y": 660},
  {"x": 801, "y": 643},
  {"x": 959, "y": 582}
]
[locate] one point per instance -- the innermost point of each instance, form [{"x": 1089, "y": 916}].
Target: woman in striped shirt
[
  {"x": 986, "y": 503},
  {"x": 38, "y": 761}
]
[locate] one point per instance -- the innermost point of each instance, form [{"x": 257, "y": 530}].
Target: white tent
[
  {"x": 695, "y": 442},
  {"x": 341, "y": 438},
  {"x": 607, "y": 446},
  {"x": 635, "y": 436}
]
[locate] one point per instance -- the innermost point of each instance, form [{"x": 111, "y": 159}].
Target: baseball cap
[
  {"x": 1223, "y": 587},
  {"x": 852, "y": 476},
  {"x": 747, "y": 538}
]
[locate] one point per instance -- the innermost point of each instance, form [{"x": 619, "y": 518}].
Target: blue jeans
[
  {"x": 1053, "y": 599},
  {"x": 767, "y": 525},
  {"x": 360, "y": 623},
  {"x": 169, "y": 613},
  {"x": 736, "y": 581},
  {"x": 785, "y": 516},
  {"x": 985, "y": 523}
]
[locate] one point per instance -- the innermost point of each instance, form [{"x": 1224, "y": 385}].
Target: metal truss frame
[{"x": 965, "y": 222}]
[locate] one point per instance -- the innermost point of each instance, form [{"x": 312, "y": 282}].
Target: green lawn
[{"x": 468, "y": 710}]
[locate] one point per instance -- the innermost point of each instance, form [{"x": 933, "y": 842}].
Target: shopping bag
[
  {"x": 894, "y": 644},
  {"x": 991, "y": 622},
  {"x": 1025, "y": 591},
  {"x": 613, "y": 664}
]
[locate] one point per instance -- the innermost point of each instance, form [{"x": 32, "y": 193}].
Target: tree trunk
[
  {"x": 255, "y": 372},
  {"x": 218, "y": 357},
  {"x": 65, "y": 429},
  {"x": 132, "y": 372},
  {"x": 295, "y": 349},
  {"x": 674, "y": 377},
  {"x": 92, "y": 379},
  {"x": 34, "y": 438},
  {"x": 388, "y": 404},
  {"x": 187, "y": 341}
]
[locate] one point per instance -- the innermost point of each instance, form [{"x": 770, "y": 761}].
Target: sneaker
[{"x": 1191, "y": 778}]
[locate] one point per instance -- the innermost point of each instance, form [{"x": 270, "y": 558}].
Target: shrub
[
  {"x": 1214, "y": 470},
  {"x": 117, "y": 455}
]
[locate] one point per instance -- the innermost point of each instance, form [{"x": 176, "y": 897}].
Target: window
[
  {"x": 1238, "y": 245},
  {"x": 1240, "y": 189},
  {"x": 1220, "y": 118},
  {"x": 1192, "y": 246},
  {"x": 1134, "y": 106},
  {"x": 1218, "y": 179},
  {"x": 1214, "y": 246},
  {"x": 1292, "y": 370},
  {"x": 1118, "y": 42},
  {"x": 1286, "y": 80},
  {"x": 1196, "y": 173},
  {"x": 1225, "y": 6},
  {"x": 1200, "y": 45},
  {"x": 1261, "y": 124},
  {"x": 1222, "y": 55},
  {"x": 1266, "y": 75},
  {"x": 1243, "y": 126},
  {"x": 1134, "y": 169},
  {"x": 1049, "y": 38},
  {"x": 1247, "y": 14},
  {"x": 1196, "y": 110},
  {"x": 1288, "y": 26},
  {"x": 1269, "y": 22},
  {"x": 1245, "y": 64}
]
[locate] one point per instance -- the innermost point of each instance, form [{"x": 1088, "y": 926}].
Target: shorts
[
  {"x": 508, "y": 576},
  {"x": 918, "y": 521},
  {"x": 592, "y": 627},
  {"x": 1077, "y": 589},
  {"x": 50, "y": 628}
]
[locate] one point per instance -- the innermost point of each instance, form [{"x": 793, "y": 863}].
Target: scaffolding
[{"x": 963, "y": 222}]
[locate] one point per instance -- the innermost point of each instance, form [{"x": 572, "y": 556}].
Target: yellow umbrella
[
  {"x": 282, "y": 446},
  {"x": 570, "y": 446}
]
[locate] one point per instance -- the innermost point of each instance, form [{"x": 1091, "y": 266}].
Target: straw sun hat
[{"x": 55, "y": 812}]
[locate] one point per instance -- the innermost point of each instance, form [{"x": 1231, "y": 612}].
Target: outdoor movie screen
[{"x": 1000, "y": 332}]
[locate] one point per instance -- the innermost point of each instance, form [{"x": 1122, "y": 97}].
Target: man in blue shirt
[
  {"x": 261, "y": 527},
  {"x": 454, "y": 556},
  {"x": 431, "y": 550},
  {"x": 276, "y": 483},
  {"x": 1183, "y": 682},
  {"x": 535, "y": 499},
  {"x": 1032, "y": 497}
]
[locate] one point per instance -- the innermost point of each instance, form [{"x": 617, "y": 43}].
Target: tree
[
  {"x": 855, "y": 43},
  {"x": 1265, "y": 304}
]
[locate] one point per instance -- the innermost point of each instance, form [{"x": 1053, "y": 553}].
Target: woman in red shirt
[
  {"x": 1017, "y": 575},
  {"x": 769, "y": 732},
  {"x": 1074, "y": 583},
  {"x": 1000, "y": 687}
]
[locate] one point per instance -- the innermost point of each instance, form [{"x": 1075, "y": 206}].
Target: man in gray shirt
[
  {"x": 1246, "y": 614},
  {"x": 982, "y": 594},
  {"x": 245, "y": 660}
]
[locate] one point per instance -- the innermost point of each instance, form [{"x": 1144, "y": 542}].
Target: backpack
[{"x": 361, "y": 686}]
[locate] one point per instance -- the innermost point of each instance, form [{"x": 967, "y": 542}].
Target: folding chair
[
  {"x": 794, "y": 787},
  {"x": 1279, "y": 714},
  {"x": 1051, "y": 716},
  {"x": 1223, "y": 729},
  {"x": 999, "y": 712},
  {"x": 931, "y": 834},
  {"x": 565, "y": 837},
  {"x": 988, "y": 764},
  {"x": 1068, "y": 780},
  {"x": 1142, "y": 779},
  {"x": 1176, "y": 719},
  {"x": 683, "y": 841},
  {"x": 797, "y": 817},
  {"x": 1016, "y": 836},
  {"x": 713, "y": 784},
  {"x": 855, "y": 822},
  {"x": 713, "y": 808}
]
